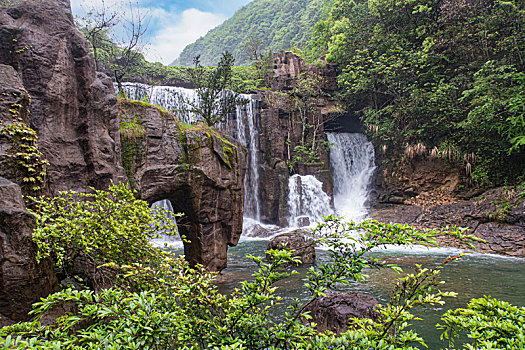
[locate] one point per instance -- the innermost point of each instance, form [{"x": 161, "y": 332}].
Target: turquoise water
[{"x": 473, "y": 276}]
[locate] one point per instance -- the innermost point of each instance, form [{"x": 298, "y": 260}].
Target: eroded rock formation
[
  {"x": 196, "y": 168},
  {"x": 73, "y": 109},
  {"x": 23, "y": 281},
  {"x": 333, "y": 311},
  {"x": 297, "y": 241},
  {"x": 282, "y": 129}
]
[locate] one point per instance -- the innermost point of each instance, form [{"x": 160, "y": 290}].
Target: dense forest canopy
[
  {"x": 262, "y": 24},
  {"x": 439, "y": 78}
]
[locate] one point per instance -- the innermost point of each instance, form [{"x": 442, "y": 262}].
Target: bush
[
  {"x": 103, "y": 226},
  {"x": 175, "y": 306}
]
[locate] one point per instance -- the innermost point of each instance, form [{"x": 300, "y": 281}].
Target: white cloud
[
  {"x": 175, "y": 31},
  {"x": 169, "y": 30}
]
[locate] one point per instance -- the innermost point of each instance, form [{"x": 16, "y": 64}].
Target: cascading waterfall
[
  {"x": 242, "y": 125},
  {"x": 307, "y": 201},
  {"x": 352, "y": 166},
  {"x": 169, "y": 219}
]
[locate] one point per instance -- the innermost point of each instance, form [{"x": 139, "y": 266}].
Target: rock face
[
  {"x": 497, "y": 216},
  {"x": 418, "y": 178},
  {"x": 297, "y": 241},
  {"x": 197, "y": 169},
  {"x": 22, "y": 280},
  {"x": 73, "y": 110},
  {"x": 281, "y": 130},
  {"x": 333, "y": 311}
]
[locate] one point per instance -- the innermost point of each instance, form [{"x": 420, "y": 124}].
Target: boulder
[
  {"x": 23, "y": 281},
  {"x": 333, "y": 311},
  {"x": 299, "y": 242},
  {"x": 73, "y": 109},
  {"x": 199, "y": 170}
]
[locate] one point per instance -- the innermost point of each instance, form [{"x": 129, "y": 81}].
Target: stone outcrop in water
[
  {"x": 280, "y": 131},
  {"x": 333, "y": 311},
  {"x": 298, "y": 241},
  {"x": 196, "y": 168},
  {"x": 73, "y": 109}
]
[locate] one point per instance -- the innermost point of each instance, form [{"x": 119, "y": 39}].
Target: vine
[{"x": 24, "y": 153}]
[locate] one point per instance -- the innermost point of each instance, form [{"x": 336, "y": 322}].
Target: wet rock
[
  {"x": 303, "y": 221},
  {"x": 299, "y": 242},
  {"x": 23, "y": 281},
  {"x": 200, "y": 171},
  {"x": 334, "y": 311},
  {"x": 73, "y": 109}
]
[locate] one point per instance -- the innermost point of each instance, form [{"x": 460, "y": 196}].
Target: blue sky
[{"x": 173, "y": 24}]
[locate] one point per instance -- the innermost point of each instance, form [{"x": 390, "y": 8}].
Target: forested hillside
[
  {"x": 435, "y": 78},
  {"x": 260, "y": 26}
]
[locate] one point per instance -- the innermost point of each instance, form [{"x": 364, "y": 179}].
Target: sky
[{"x": 173, "y": 24}]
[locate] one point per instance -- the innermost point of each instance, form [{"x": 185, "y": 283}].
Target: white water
[
  {"x": 307, "y": 200},
  {"x": 245, "y": 131},
  {"x": 352, "y": 166},
  {"x": 169, "y": 218},
  {"x": 168, "y": 97}
]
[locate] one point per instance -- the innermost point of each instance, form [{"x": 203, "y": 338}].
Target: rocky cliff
[
  {"x": 282, "y": 129},
  {"x": 23, "y": 281},
  {"x": 200, "y": 171},
  {"x": 73, "y": 109}
]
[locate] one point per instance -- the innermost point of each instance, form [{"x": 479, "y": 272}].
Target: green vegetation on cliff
[
  {"x": 434, "y": 78},
  {"x": 263, "y": 25}
]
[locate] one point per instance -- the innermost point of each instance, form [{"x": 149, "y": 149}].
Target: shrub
[
  {"x": 175, "y": 306},
  {"x": 103, "y": 226}
]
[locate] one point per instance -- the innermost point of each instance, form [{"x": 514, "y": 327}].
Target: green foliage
[
  {"x": 434, "y": 72},
  {"x": 172, "y": 305},
  {"x": 8, "y": 3},
  {"x": 25, "y": 155},
  {"x": 267, "y": 25},
  {"x": 132, "y": 134},
  {"x": 102, "y": 226},
  {"x": 213, "y": 102},
  {"x": 488, "y": 322}
]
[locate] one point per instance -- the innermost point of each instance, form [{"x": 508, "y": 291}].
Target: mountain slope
[{"x": 275, "y": 24}]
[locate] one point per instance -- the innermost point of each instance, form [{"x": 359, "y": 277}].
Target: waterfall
[
  {"x": 242, "y": 126},
  {"x": 246, "y": 125},
  {"x": 352, "y": 166},
  {"x": 169, "y": 97},
  {"x": 307, "y": 201},
  {"x": 169, "y": 218}
]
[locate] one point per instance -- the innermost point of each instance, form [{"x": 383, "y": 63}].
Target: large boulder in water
[
  {"x": 73, "y": 109},
  {"x": 333, "y": 311},
  {"x": 297, "y": 241},
  {"x": 195, "y": 167}
]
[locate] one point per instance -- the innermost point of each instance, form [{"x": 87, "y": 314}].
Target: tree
[
  {"x": 213, "y": 101},
  {"x": 95, "y": 27},
  {"x": 128, "y": 52},
  {"x": 115, "y": 36}
]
